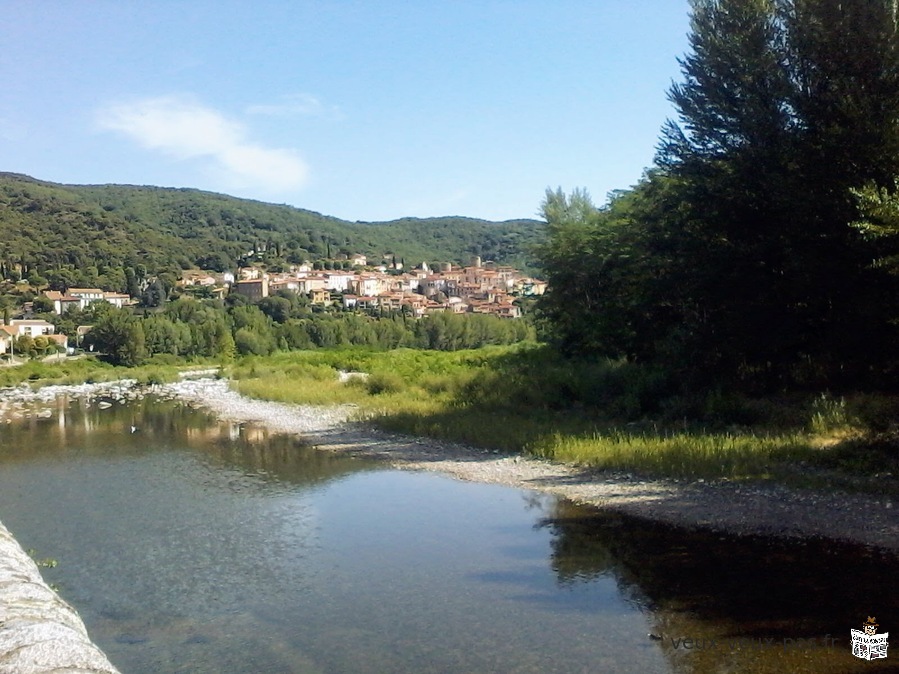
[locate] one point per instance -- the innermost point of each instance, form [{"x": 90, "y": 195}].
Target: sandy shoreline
[{"x": 738, "y": 508}]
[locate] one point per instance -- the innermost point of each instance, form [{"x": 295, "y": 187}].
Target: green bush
[{"x": 384, "y": 382}]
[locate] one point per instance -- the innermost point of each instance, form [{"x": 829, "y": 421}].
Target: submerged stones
[
  {"x": 39, "y": 632},
  {"x": 23, "y": 402}
]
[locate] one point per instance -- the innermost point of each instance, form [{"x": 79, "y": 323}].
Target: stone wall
[{"x": 39, "y": 632}]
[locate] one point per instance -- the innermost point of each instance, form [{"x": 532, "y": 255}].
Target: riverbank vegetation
[
  {"x": 88, "y": 369},
  {"x": 528, "y": 399},
  {"x": 210, "y": 329},
  {"x": 601, "y": 414}
]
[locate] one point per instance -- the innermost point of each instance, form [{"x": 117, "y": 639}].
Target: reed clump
[{"x": 680, "y": 455}]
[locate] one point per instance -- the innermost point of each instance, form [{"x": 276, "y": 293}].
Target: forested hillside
[{"x": 86, "y": 235}]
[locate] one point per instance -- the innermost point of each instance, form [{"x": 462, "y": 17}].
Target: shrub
[{"x": 384, "y": 382}]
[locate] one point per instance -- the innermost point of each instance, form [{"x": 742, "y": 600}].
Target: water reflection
[
  {"x": 739, "y": 599},
  {"x": 134, "y": 428},
  {"x": 188, "y": 544}
]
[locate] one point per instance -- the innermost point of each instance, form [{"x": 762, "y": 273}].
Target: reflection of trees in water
[
  {"x": 719, "y": 589},
  {"x": 766, "y": 586},
  {"x": 280, "y": 458},
  {"x": 586, "y": 546},
  {"x": 142, "y": 426},
  {"x": 248, "y": 448}
]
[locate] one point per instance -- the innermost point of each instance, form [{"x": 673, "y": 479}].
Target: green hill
[{"x": 77, "y": 234}]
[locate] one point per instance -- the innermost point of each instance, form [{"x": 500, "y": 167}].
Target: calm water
[{"x": 197, "y": 546}]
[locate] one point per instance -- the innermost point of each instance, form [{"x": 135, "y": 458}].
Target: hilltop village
[
  {"x": 347, "y": 284},
  {"x": 478, "y": 288}
]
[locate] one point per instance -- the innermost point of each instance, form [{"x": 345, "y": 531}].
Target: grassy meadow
[{"x": 599, "y": 414}]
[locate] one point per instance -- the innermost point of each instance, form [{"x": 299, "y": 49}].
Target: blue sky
[{"x": 367, "y": 110}]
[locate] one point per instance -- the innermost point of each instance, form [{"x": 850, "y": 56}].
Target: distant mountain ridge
[{"x": 48, "y": 227}]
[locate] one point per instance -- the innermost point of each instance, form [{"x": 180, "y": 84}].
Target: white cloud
[
  {"x": 184, "y": 129},
  {"x": 304, "y": 105}
]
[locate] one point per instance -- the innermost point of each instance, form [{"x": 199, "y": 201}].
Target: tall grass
[
  {"x": 87, "y": 370},
  {"x": 525, "y": 399},
  {"x": 829, "y": 415},
  {"x": 711, "y": 455},
  {"x": 297, "y": 383}
]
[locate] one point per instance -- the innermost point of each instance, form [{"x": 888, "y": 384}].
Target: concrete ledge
[{"x": 39, "y": 632}]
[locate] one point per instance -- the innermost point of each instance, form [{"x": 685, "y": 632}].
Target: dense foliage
[
  {"x": 740, "y": 256},
  {"x": 93, "y": 236},
  {"x": 205, "y": 329}
]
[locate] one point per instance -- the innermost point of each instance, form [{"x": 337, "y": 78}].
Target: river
[{"x": 193, "y": 545}]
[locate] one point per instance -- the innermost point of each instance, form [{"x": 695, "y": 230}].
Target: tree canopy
[
  {"x": 736, "y": 257},
  {"x": 206, "y": 329}
]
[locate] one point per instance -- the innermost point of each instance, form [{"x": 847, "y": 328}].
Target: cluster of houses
[
  {"x": 82, "y": 298},
  {"x": 478, "y": 288},
  {"x": 73, "y": 298},
  {"x": 29, "y": 328}
]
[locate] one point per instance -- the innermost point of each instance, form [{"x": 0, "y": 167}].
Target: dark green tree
[
  {"x": 735, "y": 259},
  {"x": 154, "y": 295},
  {"x": 132, "y": 284},
  {"x": 275, "y": 307},
  {"x": 164, "y": 335},
  {"x": 120, "y": 336},
  {"x": 786, "y": 106},
  {"x": 42, "y": 305}
]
